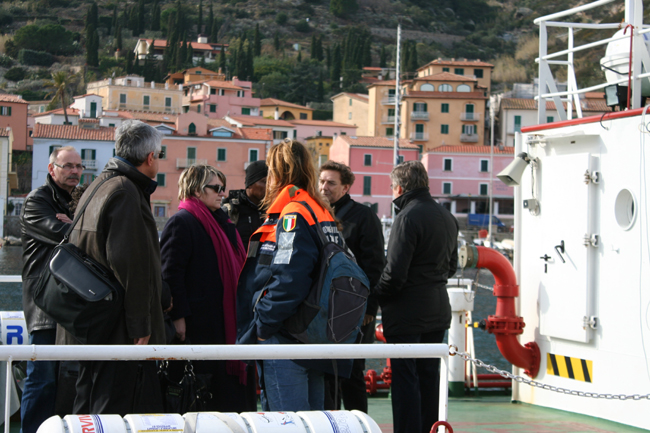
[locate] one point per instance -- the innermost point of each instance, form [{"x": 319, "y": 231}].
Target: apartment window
[
  {"x": 444, "y": 129},
  {"x": 446, "y": 187},
  {"x": 303, "y": 116},
  {"x": 485, "y": 166},
  {"x": 389, "y": 132},
  {"x": 122, "y": 98},
  {"x": 469, "y": 129},
  {"x": 213, "y": 108},
  {"x": 159, "y": 211},
  {"x": 517, "y": 123},
  {"x": 222, "y": 92},
  {"x": 163, "y": 152},
  {"x": 447, "y": 164},
  {"x": 295, "y": 134},
  {"x": 221, "y": 154},
  {"x": 391, "y": 112},
  {"x": 161, "y": 178},
  {"x": 427, "y": 87},
  {"x": 367, "y": 185},
  {"x": 55, "y": 147},
  {"x": 88, "y": 154},
  {"x": 367, "y": 160},
  {"x": 186, "y": 109},
  {"x": 350, "y": 103},
  {"x": 420, "y": 107},
  {"x": 483, "y": 189},
  {"x": 445, "y": 69},
  {"x": 319, "y": 133},
  {"x": 549, "y": 119},
  {"x": 191, "y": 129},
  {"x": 145, "y": 101},
  {"x": 350, "y": 115},
  {"x": 253, "y": 155},
  {"x": 400, "y": 159},
  {"x": 168, "y": 103},
  {"x": 111, "y": 124},
  {"x": 459, "y": 71},
  {"x": 391, "y": 93},
  {"x": 246, "y": 111},
  {"x": 445, "y": 88},
  {"x": 198, "y": 108},
  {"x": 213, "y": 91},
  {"x": 240, "y": 93},
  {"x": 191, "y": 155},
  {"x": 478, "y": 73},
  {"x": 444, "y": 108}
]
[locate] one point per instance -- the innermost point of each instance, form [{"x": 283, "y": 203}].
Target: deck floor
[{"x": 500, "y": 415}]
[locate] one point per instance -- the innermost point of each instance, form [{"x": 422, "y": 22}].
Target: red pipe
[{"x": 504, "y": 324}]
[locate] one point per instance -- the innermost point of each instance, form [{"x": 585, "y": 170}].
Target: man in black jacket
[
  {"x": 242, "y": 205},
  {"x": 45, "y": 219},
  {"x": 422, "y": 255},
  {"x": 363, "y": 234}
]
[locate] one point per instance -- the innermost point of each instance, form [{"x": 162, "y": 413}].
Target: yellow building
[
  {"x": 132, "y": 93},
  {"x": 319, "y": 147},
  {"x": 438, "y": 107},
  {"x": 353, "y": 109},
  {"x": 194, "y": 75},
  {"x": 272, "y": 108}
]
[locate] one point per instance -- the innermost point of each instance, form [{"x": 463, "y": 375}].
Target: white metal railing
[
  {"x": 226, "y": 352},
  {"x": 633, "y": 17},
  {"x": 419, "y": 136},
  {"x": 186, "y": 162},
  {"x": 388, "y": 101},
  {"x": 11, "y": 279},
  {"x": 470, "y": 117},
  {"x": 419, "y": 115},
  {"x": 469, "y": 138},
  {"x": 90, "y": 164},
  {"x": 388, "y": 119}
]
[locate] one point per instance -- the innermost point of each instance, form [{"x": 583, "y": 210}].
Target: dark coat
[
  {"x": 245, "y": 214},
  {"x": 119, "y": 231},
  {"x": 422, "y": 255},
  {"x": 40, "y": 232},
  {"x": 364, "y": 236},
  {"x": 190, "y": 267}
]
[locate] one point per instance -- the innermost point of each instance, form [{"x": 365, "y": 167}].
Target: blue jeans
[
  {"x": 39, "y": 390},
  {"x": 289, "y": 387}
]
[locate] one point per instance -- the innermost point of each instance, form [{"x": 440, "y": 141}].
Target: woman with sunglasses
[{"x": 202, "y": 254}]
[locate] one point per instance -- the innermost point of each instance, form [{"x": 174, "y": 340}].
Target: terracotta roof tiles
[
  {"x": 257, "y": 120},
  {"x": 455, "y": 62},
  {"x": 13, "y": 98},
  {"x": 531, "y": 104},
  {"x": 474, "y": 149},
  {"x": 256, "y": 133},
  {"x": 445, "y": 95},
  {"x": 320, "y": 123},
  {"x": 377, "y": 142},
  {"x": 272, "y": 101},
  {"x": 444, "y": 76},
  {"x": 74, "y": 132}
]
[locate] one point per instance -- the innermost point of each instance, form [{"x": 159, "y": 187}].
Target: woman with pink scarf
[{"x": 202, "y": 255}]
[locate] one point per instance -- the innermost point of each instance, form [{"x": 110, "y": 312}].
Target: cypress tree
[
  {"x": 321, "y": 89},
  {"x": 134, "y": 22},
  {"x": 276, "y": 42},
  {"x": 114, "y": 21},
  {"x": 214, "y": 35},
  {"x": 92, "y": 46},
  {"x": 313, "y": 54},
  {"x": 299, "y": 56},
  {"x": 190, "y": 55},
  {"x": 118, "y": 38},
  {"x": 413, "y": 58},
  {"x": 328, "y": 57},
  {"x": 241, "y": 59},
  {"x": 367, "y": 56},
  {"x": 222, "y": 59},
  {"x": 129, "y": 62},
  {"x": 382, "y": 57},
  {"x": 208, "y": 25},
  {"x": 155, "y": 17},
  {"x": 250, "y": 63},
  {"x": 257, "y": 39},
  {"x": 181, "y": 56},
  {"x": 335, "y": 70},
  {"x": 406, "y": 53},
  {"x": 141, "y": 17},
  {"x": 200, "y": 28},
  {"x": 92, "y": 17}
]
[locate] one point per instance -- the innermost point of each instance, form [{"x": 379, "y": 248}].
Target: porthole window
[{"x": 625, "y": 209}]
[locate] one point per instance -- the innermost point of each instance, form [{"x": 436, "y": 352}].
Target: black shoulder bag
[{"x": 79, "y": 293}]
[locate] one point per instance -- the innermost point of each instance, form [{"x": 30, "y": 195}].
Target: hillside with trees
[{"x": 300, "y": 51}]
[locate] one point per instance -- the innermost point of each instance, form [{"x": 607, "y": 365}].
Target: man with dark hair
[
  {"x": 422, "y": 255},
  {"x": 119, "y": 231},
  {"x": 363, "y": 235},
  {"x": 45, "y": 219},
  {"x": 243, "y": 205}
]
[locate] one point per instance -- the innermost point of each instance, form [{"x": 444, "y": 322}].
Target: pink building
[
  {"x": 200, "y": 140},
  {"x": 371, "y": 161},
  {"x": 459, "y": 178},
  {"x": 13, "y": 114},
  {"x": 216, "y": 99}
]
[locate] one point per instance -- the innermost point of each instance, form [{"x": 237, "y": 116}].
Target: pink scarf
[{"x": 230, "y": 263}]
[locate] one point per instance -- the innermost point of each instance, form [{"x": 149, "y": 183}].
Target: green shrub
[
  {"x": 52, "y": 38},
  {"x": 35, "y": 58},
  {"x": 31, "y": 95},
  {"x": 6, "y": 61},
  {"x": 6, "y": 17},
  {"x": 303, "y": 27},
  {"x": 281, "y": 19},
  {"x": 16, "y": 73}
]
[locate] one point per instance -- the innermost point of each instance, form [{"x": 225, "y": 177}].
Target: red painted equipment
[
  {"x": 434, "y": 429},
  {"x": 504, "y": 324},
  {"x": 374, "y": 381}
]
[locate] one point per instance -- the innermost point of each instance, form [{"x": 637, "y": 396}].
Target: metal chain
[
  {"x": 520, "y": 379},
  {"x": 483, "y": 286}
]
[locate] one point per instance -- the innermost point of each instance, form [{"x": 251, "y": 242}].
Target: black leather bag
[
  {"x": 191, "y": 394},
  {"x": 79, "y": 293}
]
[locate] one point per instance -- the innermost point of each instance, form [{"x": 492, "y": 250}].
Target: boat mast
[
  {"x": 398, "y": 100},
  {"x": 492, "y": 100}
]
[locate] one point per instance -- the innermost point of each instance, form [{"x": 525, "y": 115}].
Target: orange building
[{"x": 13, "y": 114}]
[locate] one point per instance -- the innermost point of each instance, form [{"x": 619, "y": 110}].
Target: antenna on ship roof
[{"x": 398, "y": 98}]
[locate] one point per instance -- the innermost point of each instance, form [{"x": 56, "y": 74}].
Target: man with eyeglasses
[
  {"x": 44, "y": 221},
  {"x": 119, "y": 231}
]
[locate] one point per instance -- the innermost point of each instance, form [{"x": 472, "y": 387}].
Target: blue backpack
[{"x": 333, "y": 311}]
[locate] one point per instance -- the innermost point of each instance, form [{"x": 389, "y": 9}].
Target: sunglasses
[{"x": 216, "y": 188}]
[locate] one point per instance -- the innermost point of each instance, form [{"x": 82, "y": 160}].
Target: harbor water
[{"x": 484, "y": 305}]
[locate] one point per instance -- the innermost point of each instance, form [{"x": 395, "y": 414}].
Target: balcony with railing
[
  {"x": 470, "y": 117},
  {"x": 469, "y": 138},
  {"x": 90, "y": 164},
  {"x": 388, "y": 101},
  {"x": 419, "y": 115},
  {"x": 186, "y": 162},
  {"x": 388, "y": 119},
  {"x": 419, "y": 136}
]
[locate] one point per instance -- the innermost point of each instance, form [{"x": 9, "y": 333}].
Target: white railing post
[
  {"x": 542, "y": 68},
  {"x": 9, "y": 381}
]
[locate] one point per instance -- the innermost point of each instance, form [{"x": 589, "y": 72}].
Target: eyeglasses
[
  {"x": 216, "y": 188},
  {"x": 70, "y": 166}
]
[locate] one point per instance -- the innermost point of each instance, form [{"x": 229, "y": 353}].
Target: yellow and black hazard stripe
[{"x": 571, "y": 368}]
